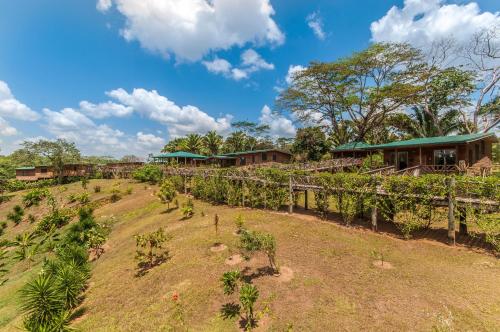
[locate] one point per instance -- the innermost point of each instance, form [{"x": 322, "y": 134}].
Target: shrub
[
  {"x": 97, "y": 189},
  {"x": 16, "y": 215},
  {"x": 252, "y": 241},
  {"x": 3, "y": 226},
  {"x": 150, "y": 248},
  {"x": 3, "y": 269},
  {"x": 148, "y": 173},
  {"x": 240, "y": 224},
  {"x": 167, "y": 192},
  {"x": 56, "y": 218},
  {"x": 34, "y": 197},
  {"x": 188, "y": 209},
  {"x": 84, "y": 182},
  {"x": 248, "y": 296},
  {"x": 129, "y": 191},
  {"x": 115, "y": 195},
  {"x": 230, "y": 281}
]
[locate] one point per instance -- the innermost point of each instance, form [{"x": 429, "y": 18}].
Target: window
[
  {"x": 445, "y": 157},
  {"x": 242, "y": 160},
  {"x": 274, "y": 156},
  {"x": 43, "y": 170},
  {"x": 264, "y": 156},
  {"x": 402, "y": 160}
]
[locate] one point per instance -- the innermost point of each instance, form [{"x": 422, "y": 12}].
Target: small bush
[
  {"x": 167, "y": 192},
  {"x": 97, "y": 189},
  {"x": 34, "y": 197},
  {"x": 148, "y": 173},
  {"x": 188, "y": 209},
  {"x": 115, "y": 195},
  {"x": 16, "y": 216}
]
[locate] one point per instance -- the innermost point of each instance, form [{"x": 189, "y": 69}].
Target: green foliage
[
  {"x": 167, "y": 192},
  {"x": 115, "y": 195},
  {"x": 310, "y": 144},
  {"x": 16, "y": 215},
  {"x": 187, "y": 209},
  {"x": 26, "y": 247},
  {"x": 3, "y": 269},
  {"x": 230, "y": 281},
  {"x": 97, "y": 189},
  {"x": 56, "y": 218},
  {"x": 240, "y": 223},
  {"x": 82, "y": 198},
  {"x": 252, "y": 241},
  {"x": 148, "y": 173},
  {"x": 35, "y": 196},
  {"x": 84, "y": 182},
  {"x": 248, "y": 296},
  {"x": 150, "y": 247}
]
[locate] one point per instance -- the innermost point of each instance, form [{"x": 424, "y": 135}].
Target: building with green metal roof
[
  {"x": 181, "y": 157},
  {"x": 442, "y": 153},
  {"x": 351, "y": 150}
]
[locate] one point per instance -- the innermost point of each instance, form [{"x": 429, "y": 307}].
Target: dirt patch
[
  {"x": 218, "y": 247},
  {"x": 383, "y": 265},
  {"x": 234, "y": 260},
  {"x": 286, "y": 274}
]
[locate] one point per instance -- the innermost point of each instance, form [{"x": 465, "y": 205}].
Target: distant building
[
  {"x": 180, "y": 157},
  {"x": 244, "y": 158},
  {"x": 351, "y": 150},
  {"x": 443, "y": 153},
  {"x": 34, "y": 173}
]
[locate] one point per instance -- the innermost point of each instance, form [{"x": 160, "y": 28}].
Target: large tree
[
  {"x": 194, "y": 143},
  {"x": 354, "y": 95},
  {"x": 57, "y": 153},
  {"x": 310, "y": 144},
  {"x": 212, "y": 142}
]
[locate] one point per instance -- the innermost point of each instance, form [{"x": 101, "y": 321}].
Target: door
[{"x": 402, "y": 160}]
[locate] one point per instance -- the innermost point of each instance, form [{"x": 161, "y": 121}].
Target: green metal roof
[
  {"x": 180, "y": 154},
  {"x": 457, "y": 139},
  {"x": 25, "y": 168},
  {"x": 252, "y": 151},
  {"x": 352, "y": 146}
]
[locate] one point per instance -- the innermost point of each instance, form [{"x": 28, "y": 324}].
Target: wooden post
[
  {"x": 374, "y": 218},
  {"x": 451, "y": 214},
  {"x": 290, "y": 195},
  {"x": 306, "y": 200},
  {"x": 462, "y": 217}
]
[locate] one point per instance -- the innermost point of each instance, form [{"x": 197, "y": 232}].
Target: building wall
[
  {"x": 258, "y": 158},
  {"x": 42, "y": 173},
  {"x": 476, "y": 154}
]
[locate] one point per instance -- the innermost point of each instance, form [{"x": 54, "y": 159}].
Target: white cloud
[
  {"x": 218, "y": 66},
  {"x": 10, "y": 107},
  {"x": 191, "y": 29},
  {"x": 150, "y": 140},
  {"x": 315, "y": 22},
  {"x": 421, "y": 22},
  {"x": 251, "y": 62},
  {"x": 103, "y": 5},
  {"x": 6, "y": 129},
  {"x": 279, "y": 125},
  {"x": 178, "y": 120},
  {"x": 292, "y": 70},
  {"x": 105, "y": 110}
]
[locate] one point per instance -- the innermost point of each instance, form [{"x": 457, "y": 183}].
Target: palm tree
[
  {"x": 212, "y": 142},
  {"x": 27, "y": 248},
  {"x": 177, "y": 144},
  {"x": 194, "y": 143},
  {"x": 421, "y": 124},
  {"x": 235, "y": 142}
]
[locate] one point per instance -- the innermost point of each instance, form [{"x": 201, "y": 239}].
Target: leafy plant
[
  {"x": 97, "y": 189},
  {"x": 35, "y": 196},
  {"x": 248, "y": 296},
  {"x": 230, "y": 281},
  {"x": 150, "y": 250},
  {"x": 252, "y": 241},
  {"x": 148, "y": 173},
  {"x": 240, "y": 224},
  {"x": 3, "y": 269},
  {"x": 84, "y": 182},
  {"x": 16, "y": 215},
  {"x": 115, "y": 195},
  {"x": 188, "y": 209},
  {"x": 167, "y": 192}
]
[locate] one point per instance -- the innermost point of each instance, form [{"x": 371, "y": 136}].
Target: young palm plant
[{"x": 248, "y": 296}]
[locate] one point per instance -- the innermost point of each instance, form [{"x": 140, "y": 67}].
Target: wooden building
[
  {"x": 179, "y": 157},
  {"x": 441, "y": 154},
  {"x": 351, "y": 150},
  {"x": 244, "y": 158},
  {"x": 34, "y": 173}
]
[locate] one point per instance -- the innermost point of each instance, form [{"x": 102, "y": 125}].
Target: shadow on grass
[
  {"x": 260, "y": 272},
  {"x": 144, "y": 267},
  {"x": 169, "y": 210},
  {"x": 78, "y": 313},
  {"x": 230, "y": 310}
]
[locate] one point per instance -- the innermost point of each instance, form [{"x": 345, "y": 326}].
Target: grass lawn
[{"x": 330, "y": 279}]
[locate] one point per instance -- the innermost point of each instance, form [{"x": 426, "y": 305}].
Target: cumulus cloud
[
  {"x": 178, "y": 120},
  {"x": 105, "y": 110},
  {"x": 190, "y": 29},
  {"x": 251, "y": 62},
  {"x": 150, "y": 140},
  {"x": 10, "y": 107},
  {"x": 293, "y": 70},
  {"x": 315, "y": 22},
  {"x": 6, "y": 129},
  {"x": 103, "y": 5},
  {"x": 422, "y": 22},
  {"x": 279, "y": 126}
]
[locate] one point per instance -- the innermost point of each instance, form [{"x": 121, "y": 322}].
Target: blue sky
[{"x": 210, "y": 64}]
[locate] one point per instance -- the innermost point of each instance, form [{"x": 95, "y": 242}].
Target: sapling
[
  {"x": 216, "y": 224},
  {"x": 85, "y": 181},
  {"x": 16, "y": 216},
  {"x": 248, "y": 296},
  {"x": 239, "y": 224},
  {"x": 167, "y": 192}
]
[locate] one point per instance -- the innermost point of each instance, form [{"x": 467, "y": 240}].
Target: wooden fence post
[
  {"x": 451, "y": 212},
  {"x": 306, "y": 200},
  {"x": 462, "y": 216},
  {"x": 374, "y": 218},
  {"x": 290, "y": 195}
]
